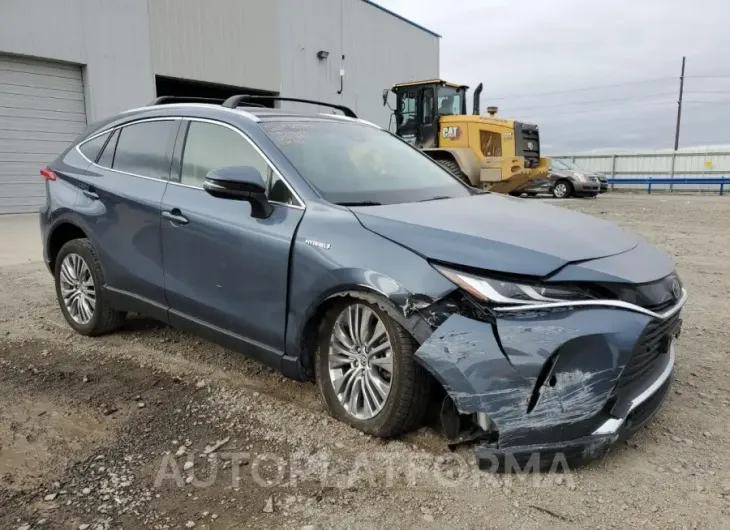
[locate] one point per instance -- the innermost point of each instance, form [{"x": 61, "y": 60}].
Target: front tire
[
  {"x": 562, "y": 189},
  {"x": 366, "y": 371},
  {"x": 80, "y": 290}
]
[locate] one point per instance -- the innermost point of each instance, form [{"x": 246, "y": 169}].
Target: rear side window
[
  {"x": 93, "y": 147},
  {"x": 107, "y": 156},
  {"x": 144, "y": 148}
]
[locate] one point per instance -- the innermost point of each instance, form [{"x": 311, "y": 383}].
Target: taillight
[{"x": 48, "y": 174}]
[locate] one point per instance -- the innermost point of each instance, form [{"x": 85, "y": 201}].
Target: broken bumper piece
[
  {"x": 560, "y": 456},
  {"x": 559, "y": 386}
]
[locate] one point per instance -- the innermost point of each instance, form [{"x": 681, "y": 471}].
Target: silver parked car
[{"x": 569, "y": 180}]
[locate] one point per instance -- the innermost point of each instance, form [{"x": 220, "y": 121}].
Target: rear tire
[
  {"x": 97, "y": 316},
  {"x": 452, "y": 166},
  {"x": 562, "y": 189},
  {"x": 342, "y": 351}
]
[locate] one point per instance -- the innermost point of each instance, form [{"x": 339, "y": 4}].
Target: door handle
[
  {"x": 175, "y": 216},
  {"x": 90, "y": 193}
]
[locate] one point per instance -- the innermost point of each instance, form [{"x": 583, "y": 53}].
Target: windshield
[
  {"x": 449, "y": 100},
  {"x": 354, "y": 163},
  {"x": 564, "y": 165}
]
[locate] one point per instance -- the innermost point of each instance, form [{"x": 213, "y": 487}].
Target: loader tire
[{"x": 452, "y": 166}]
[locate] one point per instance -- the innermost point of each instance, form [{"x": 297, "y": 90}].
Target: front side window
[
  {"x": 355, "y": 163},
  {"x": 209, "y": 146},
  {"x": 450, "y": 99},
  {"x": 406, "y": 114},
  {"x": 143, "y": 148}
]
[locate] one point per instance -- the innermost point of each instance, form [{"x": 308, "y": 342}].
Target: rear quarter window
[
  {"x": 92, "y": 148},
  {"x": 107, "y": 156}
]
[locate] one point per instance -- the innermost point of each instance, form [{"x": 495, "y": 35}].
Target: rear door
[
  {"x": 121, "y": 204},
  {"x": 226, "y": 273}
]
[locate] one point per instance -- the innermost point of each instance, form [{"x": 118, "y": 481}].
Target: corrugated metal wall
[
  {"x": 232, "y": 42},
  {"x": 689, "y": 163},
  {"x": 108, "y": 39},
  {"x": 41, "y": 112},
  {"x": 379, "y": 50}
]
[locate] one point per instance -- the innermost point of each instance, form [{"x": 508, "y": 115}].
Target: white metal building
[
  {"x": 66, "y": 63},
  {"x": 701, "y": 162}
]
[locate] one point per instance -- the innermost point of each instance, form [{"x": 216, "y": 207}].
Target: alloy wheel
[
  {"x": 360, "y": 361},
  {"x": 561, "y": 190},
  {"x": 77, "y": 289}
]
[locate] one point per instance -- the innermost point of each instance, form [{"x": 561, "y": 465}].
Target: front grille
[
  {"x": 649, "y": 351},
  {"x": 527, "y": 143},
  {"x": 593, "y": 179}
]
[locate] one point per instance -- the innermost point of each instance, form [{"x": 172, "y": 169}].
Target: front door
[
  {"x": 428, "y": 122},
  {"x": 226, "y": 273}
]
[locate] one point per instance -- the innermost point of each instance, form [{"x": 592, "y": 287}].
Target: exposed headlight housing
[{"x": 501, "y": 292}]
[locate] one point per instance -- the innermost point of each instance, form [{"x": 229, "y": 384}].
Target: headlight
[
  {"x": 505, "y": 292},
  {"x": 580, "y": 176}
]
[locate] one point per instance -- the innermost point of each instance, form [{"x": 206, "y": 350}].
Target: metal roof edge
[{"x": 404, "y": 19}]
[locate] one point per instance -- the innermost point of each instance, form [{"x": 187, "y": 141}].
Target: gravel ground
[{"x": 152, "y": 427}]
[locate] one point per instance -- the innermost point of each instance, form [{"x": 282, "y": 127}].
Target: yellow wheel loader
[{"x": 486, "y": 152}]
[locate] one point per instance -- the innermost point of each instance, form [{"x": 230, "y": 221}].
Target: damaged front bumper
[{"x": 554, "y": 380}]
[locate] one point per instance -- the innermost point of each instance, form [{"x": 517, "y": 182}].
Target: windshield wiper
[
  {"x": 359, "y": 203},
  {"x": 437, "y": 198}
]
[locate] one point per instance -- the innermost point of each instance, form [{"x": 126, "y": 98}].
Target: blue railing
[{"x": 721, "y": 181}]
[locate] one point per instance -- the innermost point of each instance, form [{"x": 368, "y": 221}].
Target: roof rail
[
  {"x": 235, "y": 101},
  {"x": 162, "y": 100}
]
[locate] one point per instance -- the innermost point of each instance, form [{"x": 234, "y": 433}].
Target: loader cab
[{"x": 419, "y": 107}]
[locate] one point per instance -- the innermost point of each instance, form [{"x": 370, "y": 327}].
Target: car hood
[{"x": 497, "y": 233}]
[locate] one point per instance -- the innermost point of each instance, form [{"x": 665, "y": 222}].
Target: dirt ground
[{"x": 151, "y": 427}]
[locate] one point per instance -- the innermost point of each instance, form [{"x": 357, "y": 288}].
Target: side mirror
[
  {"x": 240, "y": 183},
  {"x": 385, "y": 96}
]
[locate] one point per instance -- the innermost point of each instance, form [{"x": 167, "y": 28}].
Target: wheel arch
[
  {"x": 60, "y": 234},
  {"x": 402, "y": 311}
]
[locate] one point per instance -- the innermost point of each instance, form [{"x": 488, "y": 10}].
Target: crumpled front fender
[{"x": 540, "y": 376}]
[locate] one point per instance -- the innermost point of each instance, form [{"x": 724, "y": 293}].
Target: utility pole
[{"x": 679, "y": 105}]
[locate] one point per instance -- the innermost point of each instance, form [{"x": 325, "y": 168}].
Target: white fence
[{"x": 711, "y": 162}]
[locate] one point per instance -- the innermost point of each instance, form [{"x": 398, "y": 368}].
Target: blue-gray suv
[{"x": 333, "y": 251}]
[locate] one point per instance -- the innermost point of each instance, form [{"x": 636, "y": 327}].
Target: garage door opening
[
  {"x": 42, "y": 110},
  {"x": 171, "y": 86}
]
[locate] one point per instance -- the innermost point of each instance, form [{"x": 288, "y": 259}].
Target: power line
[
  {"x": 714, "y": 102},
  {"x": 598, "y": 87},
  {"x": 594, "y": 102},
  {"x": 725, "y": 92},
  {"x": 708, "y": 76},
  {"x": 612, "y": 110},
  {"x": 617, "y": 111}
]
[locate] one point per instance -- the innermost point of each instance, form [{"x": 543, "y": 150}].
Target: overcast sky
[{"x": 523, "y": 49}]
